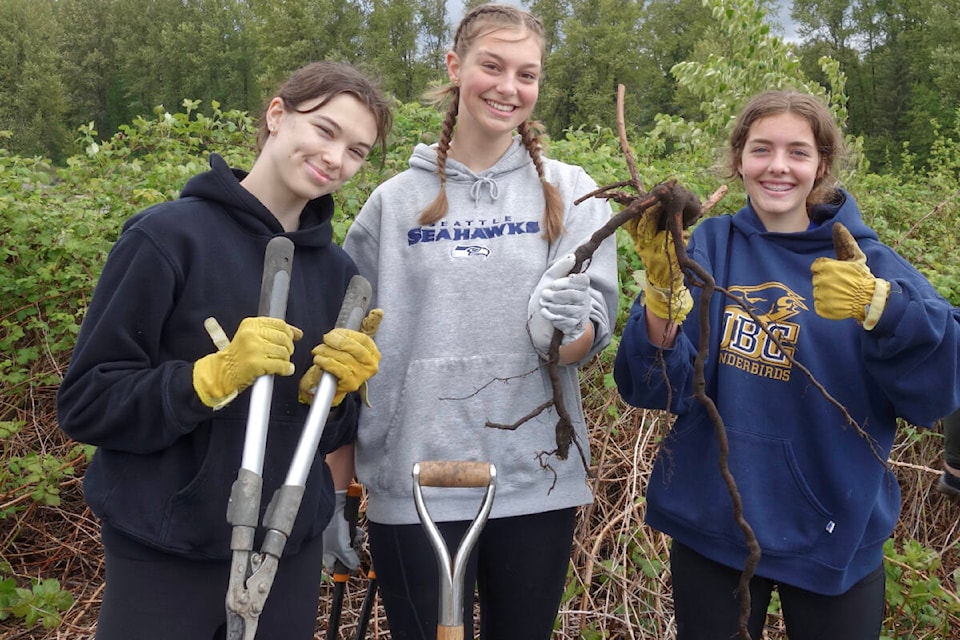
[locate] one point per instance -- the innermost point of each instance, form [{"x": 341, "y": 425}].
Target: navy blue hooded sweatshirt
[
  {"x": 165, "y": 462},
  {"x": 818, "y": 495}
]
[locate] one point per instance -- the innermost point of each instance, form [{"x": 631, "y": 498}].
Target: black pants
[
  {"x": 519, "y": 566},
  {"x": 151, "y": 595},
  {"x": 707, "y": 606},
  {"x": 951, "y": 439}
]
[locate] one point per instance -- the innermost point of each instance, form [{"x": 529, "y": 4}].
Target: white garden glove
[
  {"x": 560, "y": 300},
  {"x": 336, "y": 538}
]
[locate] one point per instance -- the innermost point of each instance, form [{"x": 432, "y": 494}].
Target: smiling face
[
  {"x": 499, "y": 79},
  {"x": 779, "y": 165},
  {"x": 315, "y": 150}
]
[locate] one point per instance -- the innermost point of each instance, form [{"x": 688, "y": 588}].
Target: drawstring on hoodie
[{"x": 478, "y": 186}]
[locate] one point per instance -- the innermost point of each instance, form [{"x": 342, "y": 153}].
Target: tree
[
  {"x": 289, "y": 35},
  {"x": 669, "y": 35},
  {"x": 33, "y": 104},
  {"x": 738, "y": 58},
  {"x": 390, "y": 46},
  {"x": 434, "y": 33},
  {"x": 86, "y": 58},
  {"x": 599, "y": 51}
]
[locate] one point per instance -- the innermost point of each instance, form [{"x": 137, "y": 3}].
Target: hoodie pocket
[
  {"x": 444, "y": 408},
  {"x": 195, "y": 519},
  {"x": 778, "y": 503}
]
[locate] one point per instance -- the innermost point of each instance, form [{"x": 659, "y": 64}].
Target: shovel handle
[
  {"x": 454, "y": 473},
  {"x": 449, "y": 633}
]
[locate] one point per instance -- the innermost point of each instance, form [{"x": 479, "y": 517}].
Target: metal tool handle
[
  {"x": 355, "y": 303},
  {"x": 243, "y": 509},
  {"x": 446, "y": 473},
  {"x": 274, "y": 290}
]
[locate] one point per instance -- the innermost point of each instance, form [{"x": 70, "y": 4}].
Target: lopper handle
[
  {"x": 275, "y": 285},
  {"x": 354, "y": 308},
  {"x": 355, "y": 303},
  {"x": 274, "y": 289}
]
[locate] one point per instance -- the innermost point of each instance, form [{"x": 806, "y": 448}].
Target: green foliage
[
  {"x": 42, "y": 602},
  {"x": 918, "y": 606},
  {"x": 61, "y": 221},
  {"x": 739, "y": 60}
]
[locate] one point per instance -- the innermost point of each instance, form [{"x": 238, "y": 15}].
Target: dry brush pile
[{"x": 619, "y": 583}]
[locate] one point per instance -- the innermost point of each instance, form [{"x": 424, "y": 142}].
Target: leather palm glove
[
  {"x": 664, "y": 292},
  {"x": 351, "y": 356},
  {"x": 337, "y": 544},
  {"x": 845, "y": 287},
  {"x": 261, "y": 346},
  {"x": 560, "y": 300}
]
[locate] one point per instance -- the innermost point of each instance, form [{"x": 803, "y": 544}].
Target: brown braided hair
[{"x": 482, "y": 20}]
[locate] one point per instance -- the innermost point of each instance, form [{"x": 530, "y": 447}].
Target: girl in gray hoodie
[{"x": 468, "y": 252}]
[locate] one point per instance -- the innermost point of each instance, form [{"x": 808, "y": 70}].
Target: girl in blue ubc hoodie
[{"x": 874, "y": 332}]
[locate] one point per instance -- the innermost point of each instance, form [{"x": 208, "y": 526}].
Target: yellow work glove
[
  {"x": 260, "y": 347},
  {"x": 664, "y": 292},
  {"x": 350, "y": 355},
  {"x": 845, "y": 287}
]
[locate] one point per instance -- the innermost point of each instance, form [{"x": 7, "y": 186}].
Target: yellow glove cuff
[
  {"x": 878, "y": 302},
  {"x": 670, "y": 304},
  {"x": 208, "y": 384}
]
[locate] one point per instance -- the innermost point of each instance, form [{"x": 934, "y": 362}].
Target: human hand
[
  {"x": 664, "y": 292},
  {"x": 337, "y": 544},
  {"x": 350, "y": 355},
  {"x": 560, "y": 300},
  {"x": 261, "y": 346},
  {"x": 845, "y": 287}
]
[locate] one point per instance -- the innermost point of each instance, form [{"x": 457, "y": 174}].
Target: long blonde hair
[{"x": 482, "y": 20}]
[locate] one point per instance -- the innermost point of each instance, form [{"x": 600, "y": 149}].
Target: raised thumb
[{"x": 846, "y": 245}]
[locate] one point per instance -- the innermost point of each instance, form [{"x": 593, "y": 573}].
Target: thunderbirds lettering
[{"x": 746, "y": 346}]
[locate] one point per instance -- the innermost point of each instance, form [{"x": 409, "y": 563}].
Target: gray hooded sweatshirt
[{"x": 455, "y": 348}]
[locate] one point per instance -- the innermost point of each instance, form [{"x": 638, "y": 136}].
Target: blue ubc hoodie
[
  {"x": 817, "y": 493},
  {"x": 165, "y": 462}
]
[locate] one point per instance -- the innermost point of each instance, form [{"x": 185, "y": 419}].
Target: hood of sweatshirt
[
  {"x": 842, "y": 208},
  {"x": 222, "y": 185},
  {"x": 514, "y": 159}
]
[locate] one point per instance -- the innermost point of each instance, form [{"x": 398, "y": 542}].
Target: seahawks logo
[{"x": 470, "y": 251}]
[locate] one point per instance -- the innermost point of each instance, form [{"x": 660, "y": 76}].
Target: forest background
[{"x": 108, "y": 106}]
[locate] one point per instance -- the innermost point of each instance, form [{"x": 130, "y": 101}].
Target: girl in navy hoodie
[
  {"x": 868, "y": 326},
  {"x": 167, "y": 409}
]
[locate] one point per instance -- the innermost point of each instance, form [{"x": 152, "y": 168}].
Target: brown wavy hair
[
  {"x": 483, "y": 20},
  {"x": 826, "y": 135},
  {"x": 327, "y": 80}
]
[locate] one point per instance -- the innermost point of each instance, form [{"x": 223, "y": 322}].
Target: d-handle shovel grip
[
  {"x": 447, "y": 473},
  {"x": 454, "y": 473}
]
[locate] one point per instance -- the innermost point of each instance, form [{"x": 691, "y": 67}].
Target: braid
[
  {"x": 438, "y": 208},
  {"x": 482, "y": 19},
  {"x": 553, "y": 212}
]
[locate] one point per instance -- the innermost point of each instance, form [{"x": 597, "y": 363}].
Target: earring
[{"x": 455, "y": 82}]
